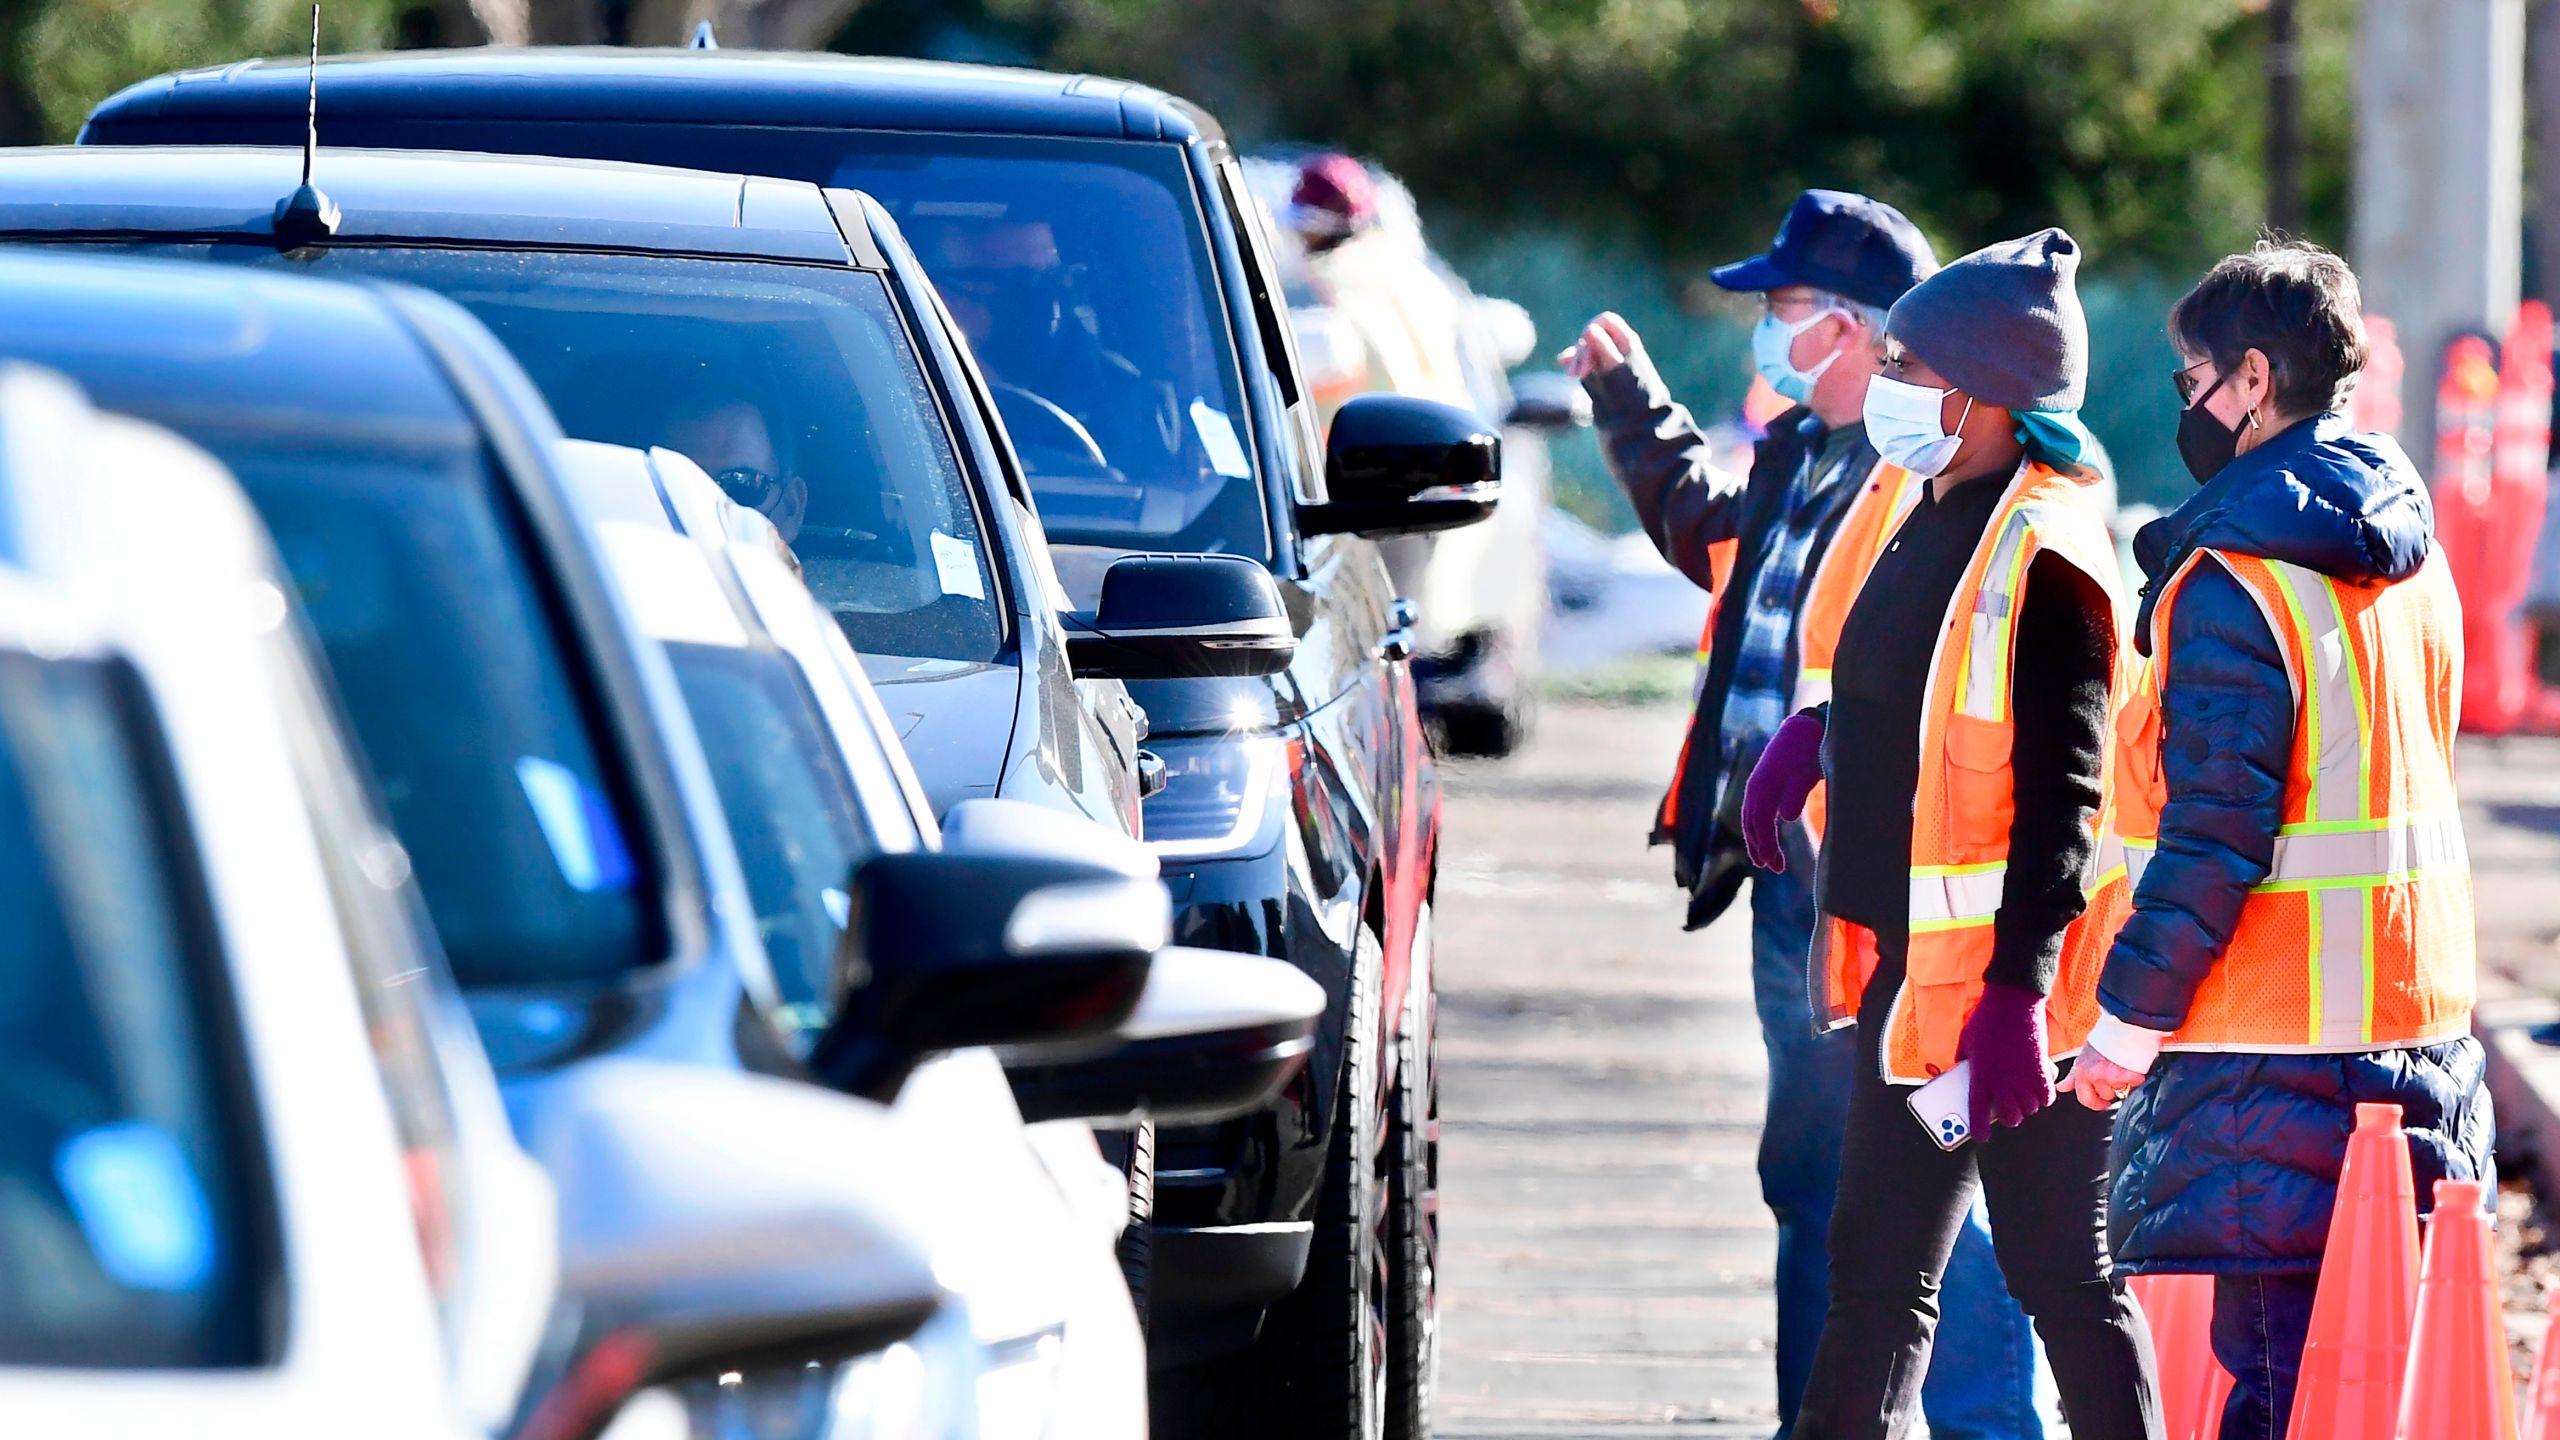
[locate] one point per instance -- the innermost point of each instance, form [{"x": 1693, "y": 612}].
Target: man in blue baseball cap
[{"x": 1839, "y": 261}]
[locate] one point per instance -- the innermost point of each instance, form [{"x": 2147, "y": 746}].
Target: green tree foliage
[
  {"x": 1690, "y": 123},
  {"x": 60, "y": 57}
]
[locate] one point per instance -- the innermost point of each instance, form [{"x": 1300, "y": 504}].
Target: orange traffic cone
[
  {"x": 2542, "y": 1396},
  {"x": 2457, "y": 1387},
  {"x": 2192, "y": 1385},
  {"x": 2359, "y": 1343}
]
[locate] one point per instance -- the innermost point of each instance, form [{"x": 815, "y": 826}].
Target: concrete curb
[{"x": 2524, "y": 1080}]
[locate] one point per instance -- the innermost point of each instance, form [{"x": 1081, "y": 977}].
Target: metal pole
[{"x": 2284, "y": 121}]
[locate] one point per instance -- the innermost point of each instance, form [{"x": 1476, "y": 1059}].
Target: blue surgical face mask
[
  {"x": 1773, "y": 343},
  {"x": 1905, "y": 422}
]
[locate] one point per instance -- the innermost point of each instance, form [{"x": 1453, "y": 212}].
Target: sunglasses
[
  {"x": 2184, "y": 377},
  {"x": 749, "y": 486}
]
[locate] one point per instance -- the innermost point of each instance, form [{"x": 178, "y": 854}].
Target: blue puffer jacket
[{"x": 2228, "y": 1164}]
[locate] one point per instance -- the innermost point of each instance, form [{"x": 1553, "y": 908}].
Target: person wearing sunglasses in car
[
  {"x": 728, "y": 437},
  {"x": 2301, "y": 934},
  {"x": 1964, "y": 751}
]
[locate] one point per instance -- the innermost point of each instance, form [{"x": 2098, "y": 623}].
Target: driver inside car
[
  {"x": 728, "y": 437},
  {"x": 1016, "y": 299}
]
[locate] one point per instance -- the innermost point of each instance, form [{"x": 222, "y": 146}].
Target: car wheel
[
  {"x": 1481, "y": 731},
  {"x": 1324, "y": 1346},
  {"x": 1413, "y": 1210},
  {"x": 1137, "y": 1238}
]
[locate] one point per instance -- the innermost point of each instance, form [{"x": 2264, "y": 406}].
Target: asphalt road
[{"x": 1605, "y": 1253}]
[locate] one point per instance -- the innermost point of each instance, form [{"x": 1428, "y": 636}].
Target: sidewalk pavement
[{"x": 2511, "y": 819}]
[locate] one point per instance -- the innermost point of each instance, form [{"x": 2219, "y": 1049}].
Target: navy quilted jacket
[{"x": 2228, "y": 1163}]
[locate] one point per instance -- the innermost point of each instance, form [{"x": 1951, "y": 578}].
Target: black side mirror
[
  {"x": 1549, "y": 401},
  {"x": 1397, "y": 465},
  {"x": 949, "y": 951},
  {"x": 695, "y": 1239},
  {"x": 1215, "y": 1036},
  {"x": 1181, "y": 617}
]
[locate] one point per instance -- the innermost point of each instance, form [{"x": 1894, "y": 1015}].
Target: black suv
[{"x": 1097, "y": 242}]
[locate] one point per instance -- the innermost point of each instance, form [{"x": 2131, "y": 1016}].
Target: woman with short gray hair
[{"x": 2300, "y": 943}]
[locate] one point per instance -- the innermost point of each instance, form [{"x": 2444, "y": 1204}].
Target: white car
[
  {"x": 1021, "y": 1219},
  {"x": 255, "y": 1177}
]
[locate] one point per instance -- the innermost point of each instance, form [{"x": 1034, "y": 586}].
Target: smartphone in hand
[{"x": 1945, "y": 1106}]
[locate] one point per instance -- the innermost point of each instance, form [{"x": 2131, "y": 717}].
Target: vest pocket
[{"x": 1981, "y": 792}]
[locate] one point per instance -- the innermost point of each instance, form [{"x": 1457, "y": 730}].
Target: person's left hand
[
  {"x": 2099, "y": 1081},
  {"x": 2004, "y": 1037}
]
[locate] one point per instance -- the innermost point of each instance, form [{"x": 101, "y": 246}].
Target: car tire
[
  {"x": 1481, "y": 731},
  {"x": 1323, "y": 1349},
  {"x": 1136, "y": 1247},
  {"x": 1413, "y": 1208}
]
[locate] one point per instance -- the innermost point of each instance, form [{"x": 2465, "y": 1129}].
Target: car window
[
  {"x": 795, "y": 386},
  {"x": 130, "y": 1230},
  {"x": 393, "y": 961},
  {"x": 1080, "y": 272},
  {"x": 452, "y": 667},
  {"x": 791, "y": 808}
]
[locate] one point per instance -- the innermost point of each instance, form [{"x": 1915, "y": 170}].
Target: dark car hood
[{"x": 955, "y": 718}]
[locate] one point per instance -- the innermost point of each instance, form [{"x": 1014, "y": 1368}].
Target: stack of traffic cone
[
  {"x": 2359, "y": 1343},
  {"x": 2458, "y": 1387},
  {"x": 2192, "y": 1385},
  {"x": 2542, "y": 1396}
]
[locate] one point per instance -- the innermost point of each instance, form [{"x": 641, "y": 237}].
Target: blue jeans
[
  {"x": 2259, "y": 1325},
  {"x": 1981, "y": 1383}
]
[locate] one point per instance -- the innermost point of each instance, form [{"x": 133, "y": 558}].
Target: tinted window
[
  {"x": 791, "y": 808},
  {"x": 125, "y": 1218},
  {"x": 414, "y": 572},
  {"x": 794, "y": 385},
  {"x": 1080, "y": 272}
]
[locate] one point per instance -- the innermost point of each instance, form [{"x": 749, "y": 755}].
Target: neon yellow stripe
[
  {"x": 2310, "y": 691},
  {"x": 2009, "y": 617},
  {"x": 1931, "y": 927},
  {"x": 1982, "y": 868},
  {"x": 2337, "y": 827},
  {"x": 2350, "y": 882},
  {"x": 2368, "y": 971}
]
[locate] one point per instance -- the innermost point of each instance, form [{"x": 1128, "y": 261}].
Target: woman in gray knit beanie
[{"x": 1964, "y": 747}]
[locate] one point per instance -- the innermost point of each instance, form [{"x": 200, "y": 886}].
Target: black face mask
[{"x": 2206, "y": 444}]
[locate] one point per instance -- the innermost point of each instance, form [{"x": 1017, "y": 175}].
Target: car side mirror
[
  {"x": 1181, "y": 617},
  {"x": 1548, "y": 401},
  {"x": 696, "y": 1238},
  {"x": 1398, "y": 465},
  {"x": 1214, "y": 1036},
  {"x": 947, "y": 951}
]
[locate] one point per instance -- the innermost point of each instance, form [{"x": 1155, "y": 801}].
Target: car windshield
[
  {"x": 126, "y": 1237},
  {"x": 450, "y": 661},
  {"x": 791, "y": 809},
  {"x": 1080, "y": 272},
  {"x": 795, "y": 386}
]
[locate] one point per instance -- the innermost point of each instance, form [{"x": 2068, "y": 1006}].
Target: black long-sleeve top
[{"x": 2058, "y": 704}]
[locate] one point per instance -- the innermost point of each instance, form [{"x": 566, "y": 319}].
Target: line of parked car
[{"x": 884, "y": 889}]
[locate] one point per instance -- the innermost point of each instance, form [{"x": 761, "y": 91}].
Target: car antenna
[
  {"x": 703, "y": 39},
  {"x": 307, "y": 215}
]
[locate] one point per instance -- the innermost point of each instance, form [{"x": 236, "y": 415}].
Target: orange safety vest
[
  {"x": 2360, "y": 936},
  {"x": 1872, "y": 518},
  {"x": 1961, "y": 816}
]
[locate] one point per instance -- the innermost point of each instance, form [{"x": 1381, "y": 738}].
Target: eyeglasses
[
  {"x": 749, "y": 486},
  {"x": 2184, "y": 377}
]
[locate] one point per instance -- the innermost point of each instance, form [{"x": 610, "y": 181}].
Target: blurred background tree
[{"x": 1569, "y": 153}]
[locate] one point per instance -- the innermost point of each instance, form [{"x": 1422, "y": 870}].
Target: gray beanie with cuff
[{"x": 2004, "y": 324}]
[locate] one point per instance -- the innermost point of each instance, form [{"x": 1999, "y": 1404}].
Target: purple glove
[
  {"x": 2005, "y": 1040},
  {"x": 1787, "y": 772}
]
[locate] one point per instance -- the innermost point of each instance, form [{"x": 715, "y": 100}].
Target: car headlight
[{"x": 1216, "y": 795}]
